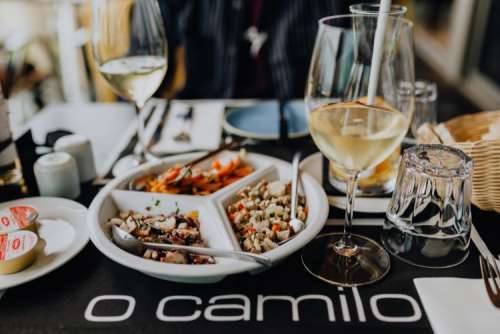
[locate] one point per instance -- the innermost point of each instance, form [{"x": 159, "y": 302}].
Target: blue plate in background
[{"x": 261, "y": 120}]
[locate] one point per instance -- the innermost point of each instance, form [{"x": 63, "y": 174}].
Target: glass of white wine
[
  {"x": 130, "y": 51},
  {"x": 354, "y": 133}
]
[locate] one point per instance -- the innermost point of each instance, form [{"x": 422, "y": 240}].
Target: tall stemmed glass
[
  {"x": 353, "y": 134},
  {"x": 130, "y": 51}
]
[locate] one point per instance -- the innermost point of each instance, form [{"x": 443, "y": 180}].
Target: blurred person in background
[{"x": 242, "y": 48}]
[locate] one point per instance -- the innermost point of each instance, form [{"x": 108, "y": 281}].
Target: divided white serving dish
[{"x": 215, "y": 227}]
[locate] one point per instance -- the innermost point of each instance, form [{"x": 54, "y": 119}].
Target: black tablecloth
[{"x": 93, "y": 293}]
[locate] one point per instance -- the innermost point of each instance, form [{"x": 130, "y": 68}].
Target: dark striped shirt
[{"x": 212, "y": 31}]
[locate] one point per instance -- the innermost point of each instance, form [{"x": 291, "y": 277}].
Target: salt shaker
[
  {"x": 57, "y": 175},
  {"x": 81, "y": 150}
]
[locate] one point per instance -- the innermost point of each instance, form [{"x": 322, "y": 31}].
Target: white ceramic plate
[
  {"x": 215, "y": 226},
  {"x": 313, "y": 165},
  {"x": 63, "y": 229}
]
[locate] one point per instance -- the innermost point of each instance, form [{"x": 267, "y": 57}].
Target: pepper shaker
[{"x": 81, "y": 150}]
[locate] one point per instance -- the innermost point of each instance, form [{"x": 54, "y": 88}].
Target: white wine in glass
[
  {"x": 342, "y": 131},
  {"x": 135, "y": 78},
  {"x": 355, "y": 135},
  {"x": 130, "y": 51},
  {"x": 380, "y": 179}
]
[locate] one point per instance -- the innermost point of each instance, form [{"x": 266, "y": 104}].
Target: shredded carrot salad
[{"x": 197, "y": 181}]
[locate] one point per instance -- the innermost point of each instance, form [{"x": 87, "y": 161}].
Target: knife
[
  {"x": 480, "y": 245},
  {"x": 157, "y": 134}
]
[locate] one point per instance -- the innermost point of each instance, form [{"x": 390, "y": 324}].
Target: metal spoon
[
  {"x": 287, "y": 240},
  {"x": 296, "y": 224},
  {"x": 133, "y": 245}
]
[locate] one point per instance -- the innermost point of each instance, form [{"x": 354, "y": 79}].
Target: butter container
[
  {"x": 21, "y": 217},
  {"x": 17, "y": 251}
]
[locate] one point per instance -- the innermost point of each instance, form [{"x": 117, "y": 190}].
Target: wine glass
[
  {"x": 130, "y": 51},
  {"x": 381, "y": 179},
  {"x": 355, "y": 132}
]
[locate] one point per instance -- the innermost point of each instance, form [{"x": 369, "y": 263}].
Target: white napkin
[
  {"x": 109, "y": 126},
  {"x": 458, "y": 305},
  {"x": 205, "y": 129}
]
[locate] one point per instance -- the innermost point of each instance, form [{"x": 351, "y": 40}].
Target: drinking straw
[{"x": 378, "y": 43}]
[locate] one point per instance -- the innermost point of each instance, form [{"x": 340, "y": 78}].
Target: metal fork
[{"x": 491, "y": 277}]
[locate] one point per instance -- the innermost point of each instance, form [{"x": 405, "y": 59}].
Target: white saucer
[
  {"x": 62, "y": 228},
  {"x": 313, "y": 165}
]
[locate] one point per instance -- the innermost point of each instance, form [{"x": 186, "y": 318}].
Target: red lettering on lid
[
  {"x": 5, "y": 221},
  {"x": 16, "y": 243},
  {"x": 21, "y": 214},
  {"x": 3, "y": 246}
]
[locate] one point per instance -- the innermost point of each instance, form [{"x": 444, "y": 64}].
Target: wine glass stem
[
  {"x": 142, "y": 150},
  {"x": 345, "y": 246}
]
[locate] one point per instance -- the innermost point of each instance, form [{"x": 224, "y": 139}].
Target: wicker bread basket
[{"x": 466, "y": 133}]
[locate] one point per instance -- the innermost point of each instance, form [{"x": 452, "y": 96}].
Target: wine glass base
[
  {"x": 366, "y": 191},
  {"x": 368, "y": 265},
  {"x": 125, "y": 164}
]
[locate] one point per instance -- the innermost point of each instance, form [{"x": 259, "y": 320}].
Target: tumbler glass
[{"x": 429, "y": 217}]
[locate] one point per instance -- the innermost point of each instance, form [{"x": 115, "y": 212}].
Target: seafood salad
[
  {"x": 174, "y": 228},
  {"x": 260, "y": 217},
  {"x": 196, "y": 181}
]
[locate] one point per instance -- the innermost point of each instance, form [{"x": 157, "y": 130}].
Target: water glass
[
  {"x": 429, "y": 216},
  {"x": 426, "y": 95}
]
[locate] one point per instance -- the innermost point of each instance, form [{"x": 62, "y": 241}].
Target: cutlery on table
[
  {"x": 133, "y": 245},
  {"x": 123, "y": 163},
  {"x": 491, "y": 276},
  {"x": 153, "y": 126},
  {"x": 159, "y": 128},
  {"x": 296, "y": 224},
  {"x": 488, "y": 264},
  {"x": 187, "y": 119},
  {"x": 289, "y": 239},
  {"x": 479, "y": 243}
]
